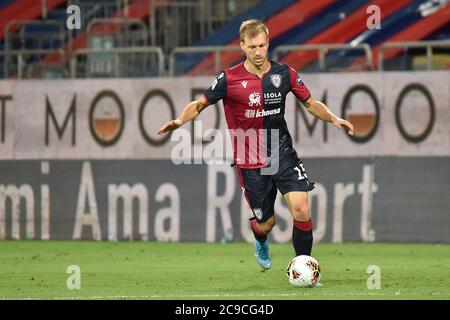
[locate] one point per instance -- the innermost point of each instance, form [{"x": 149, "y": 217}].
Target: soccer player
[{"x": 254, "y": 94}]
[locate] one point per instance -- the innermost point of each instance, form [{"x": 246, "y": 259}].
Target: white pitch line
[{"x": 360, "y": 294}]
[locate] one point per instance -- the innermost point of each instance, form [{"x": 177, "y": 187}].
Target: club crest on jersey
[
  {"x": 258, "y": 213},
  {"x": 276, "y": 80},
  {"x": 254, "y": 99},
  {"x": 244, "y": 84}
]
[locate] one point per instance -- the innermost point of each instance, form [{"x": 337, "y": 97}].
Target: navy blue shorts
[{"x": 261, "y": 190}]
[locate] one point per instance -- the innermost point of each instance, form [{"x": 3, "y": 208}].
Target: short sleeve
[
  {"x": 217, "y": 90},
  {"x": 298, "y": 88}
]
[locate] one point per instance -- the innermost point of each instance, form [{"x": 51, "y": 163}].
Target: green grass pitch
[{"x": 151, "y": 270}]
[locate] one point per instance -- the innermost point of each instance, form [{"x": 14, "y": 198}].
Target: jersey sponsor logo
[
  {"x": 251, "y": 113},
  {"x": 273, "y": 98},
  {"x": 269, "y": 95},
  {"x": 299, "y": 79},
  {"x": 244, "y": 84},
  {"x": 276, "y": 80},
  {"x": 254, "y": 99}
]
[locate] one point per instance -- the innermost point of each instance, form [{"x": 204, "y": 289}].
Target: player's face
[{"x": 256, "y": 48}]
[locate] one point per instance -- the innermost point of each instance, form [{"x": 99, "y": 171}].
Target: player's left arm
[{"x": 321, "y": 111}]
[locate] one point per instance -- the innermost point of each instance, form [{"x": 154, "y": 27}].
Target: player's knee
[
  {"x": 267, "y": 226},
  {"x": 300, "y": 211}
]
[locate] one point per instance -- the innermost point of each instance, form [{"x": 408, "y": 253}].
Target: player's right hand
[{"x": 170, "y": 126}]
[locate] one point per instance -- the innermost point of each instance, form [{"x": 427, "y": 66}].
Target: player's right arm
[
  {"x": 190, "y": 111},
  {"x": 217, "y": 91}
]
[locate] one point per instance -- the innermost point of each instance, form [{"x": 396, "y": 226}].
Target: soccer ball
[{"x": 303, "y": 271}]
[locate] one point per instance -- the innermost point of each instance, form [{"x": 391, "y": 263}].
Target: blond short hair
[{"x": 252, "y": 28}]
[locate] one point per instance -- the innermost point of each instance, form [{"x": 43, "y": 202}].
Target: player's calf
[{"x": 302, "y": 237}]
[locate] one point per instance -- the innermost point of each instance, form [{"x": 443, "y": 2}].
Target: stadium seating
[
  {"x": 277, "y": 24},
  {"x": 411, "y": 24},
  {"x": 397, "y": 17},
  {"x": 341, "y": 22},
  {"x": 314, "y": 23},
  {"x": 291, "y": 22},
  {"x": 136, "y": 10},
  {"x": 343, "y": 31},
  {"x": 228, "y": 33},
  {"x": 23, "y": 10}
]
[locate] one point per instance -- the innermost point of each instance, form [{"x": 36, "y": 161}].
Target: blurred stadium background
[
  {"x": 79, "y": 111},
  {"x": 143, "y": 38}
]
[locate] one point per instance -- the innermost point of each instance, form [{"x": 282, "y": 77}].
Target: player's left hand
[{"x": 341, "y": 123}]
